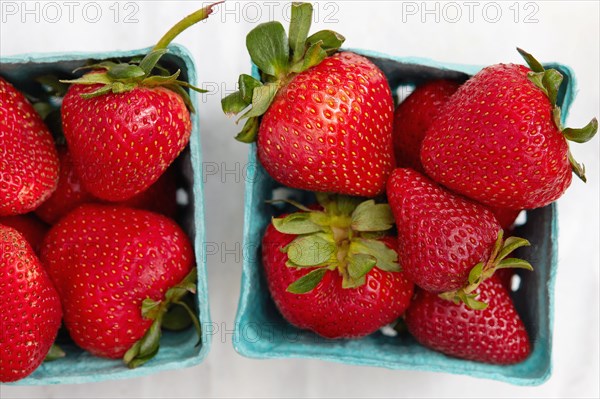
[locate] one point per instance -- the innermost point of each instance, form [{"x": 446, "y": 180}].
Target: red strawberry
[
  {"x": 29, "y": 164},
  {"x": 125, "y": 126},
  {"x": 506, "y": 217},
  {"x": 500, "y": 140},
  {"x": 70, "y": 193},
  {"x": 113, "y": 267},
  {"x": 442, "y": 237},
  {"x": 30, "y": 313},
  {"x": 505, "y": 277},
  {"x": 413, "y": 117},
  {"x": 326, "y": 275},
  {"x": 122, "y": 143},
  {"x": 493, "y": 335},
  {"x": 33, "y": 229},
  {"x": 326, "y": 119},
  {"x": 161, "y": 197}
]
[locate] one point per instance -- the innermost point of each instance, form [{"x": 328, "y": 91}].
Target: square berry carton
[
  {"x": 177, "y": 349},
  {"x": 261, "y": 332}
]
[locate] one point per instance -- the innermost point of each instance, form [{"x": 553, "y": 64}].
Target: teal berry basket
[
  {"x": 177, "y": 349},
  {"x": 261, "y": 332}
]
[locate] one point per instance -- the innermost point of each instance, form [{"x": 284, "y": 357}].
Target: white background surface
[{"x": 560, "y": 31}]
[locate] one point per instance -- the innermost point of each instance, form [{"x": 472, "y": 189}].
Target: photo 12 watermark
[
  {"x": 59, "y": 12},
  {"x": 469, "y": 11},
  {"x": 229, "y": 252},
  {"x": 233, "y": 172},
  {"x": 325, "y": 12}
]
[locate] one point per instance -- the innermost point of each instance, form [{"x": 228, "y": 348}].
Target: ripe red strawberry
[
  {"x": 443, "y": 237},
  {"x": 28, "y": 161},
  {"x": 30, "y": 313},
  {"x": 326, "y": 275},
  {"x": 125, "y": 126},
  {"x": 493, "y": 335},
  {"x": 33, "y": 229},
  {"x": 500, "y": 140},
  {"x": 113, "y": 267},
  {"x": 506, "y": 217},
  {"x": 70, "y": 193},
  {"x": 505, "y": 277},
  {"x": 161, "y": 197},
  {"x": 122, "y": 143},
  {"x": 413, "y": 117},
  {"x": 327, "y": 118}
]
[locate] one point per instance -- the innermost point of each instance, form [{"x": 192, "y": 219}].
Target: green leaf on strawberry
[
  {"x": 268, "y": 48},
  {"x": 308, "y": 282},
  {"x": 386, "y": 260},
  {"x": 311, "y": 250},
  {"x": 483, "y": 271},
  {"x": 584, "y": 134},
  {"x": 147, "y": 347},
  {"x": 124, "y": 77},
  {"x": 369, "y": 216},
  {"x": 297, "y": 223},
  {"x": 338, "y": 237},
  {"x": 279, "y": 59},
  {"x": 358, "y": 267},
  {"x": 549, "y": 81},
  {"x": 299, "y": 27}
]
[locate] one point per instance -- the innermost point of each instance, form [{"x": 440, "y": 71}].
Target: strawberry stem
[
  {"x": 123, "y": 77},
  {"x": 182, "y": 25}
]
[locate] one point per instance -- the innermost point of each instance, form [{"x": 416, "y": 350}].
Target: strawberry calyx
[
  {"x": 146, "y": 347},
  {"x": 122, "y": 77},
  {"x": 343, "y": 235},
  {"x": 279, "y": 57},
  {"x": 549, "y": 81},
  {"x": 482, "y": 271}
]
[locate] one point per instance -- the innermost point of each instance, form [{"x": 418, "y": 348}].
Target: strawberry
[
  {"x": 500, "y": 139},
  {"x": 505, "y": 277},
  {"x": 493, "y": 335},
  {"x": 151, "y": 133},
  {"x": 125, "y": 126},
  {"x": 70, "y": 193},
  {"x": 33, "y": 229},
  {"x": 29, "y": 163},
  {"x": 413, "y": 117},
  {"x": 161, "y": 197},
  {"x": 506, "y": 217},
  {"x": 333, "y": 270},
  {"x": 326, "y": 117},
  {"x": 446, "y": 243},
  {"x": 30, "y": 313},
  {"x": 117, "y": 271}
]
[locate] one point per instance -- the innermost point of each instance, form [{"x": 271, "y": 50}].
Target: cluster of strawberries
[
  {"x": 457, "y": 163},
  {"x": 448, "y": 173},
  {"x": 86, "y": 229}
]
